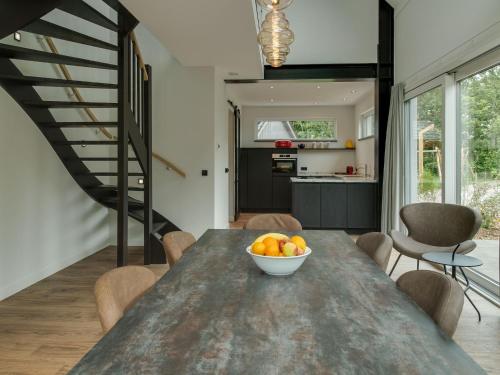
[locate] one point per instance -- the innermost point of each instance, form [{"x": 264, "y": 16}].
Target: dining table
[{"x": 216, "y": 312}]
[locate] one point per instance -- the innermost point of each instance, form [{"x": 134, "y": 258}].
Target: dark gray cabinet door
[
  {"x": 306, "y": 204},
  {"x": 361, "y": 200},
  {"x": 243, "y": 180},
  {"x": 260, "y": 179},
  {"x": 282, "y": 193},
  {"x": 333, "y": 205}
]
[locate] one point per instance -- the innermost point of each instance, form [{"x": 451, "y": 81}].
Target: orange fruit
[
  {"x": 299, "y": 241},
  {"x": 258, "y": 248},
  {"x": 272, "y": 250},
  {"x": 269, "y": 241}
]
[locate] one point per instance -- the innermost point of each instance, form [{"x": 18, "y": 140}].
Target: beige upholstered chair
[
  {"x": 440, "y": 296},
  {"x": 377, "y": 246},
  {"x": 175, "y": 244},
  {"x": 117, "y": 290},
  {"x": 273, "y": 222},
  {"x": 435, "y": 227}
]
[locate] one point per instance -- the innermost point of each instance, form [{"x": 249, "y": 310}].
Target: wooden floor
[{"x": 48, "y": 327}]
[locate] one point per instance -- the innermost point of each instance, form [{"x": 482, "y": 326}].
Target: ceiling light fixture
[
  {"x": 272, "y": 100},
  {"x": 345, "y": 99},
  {"x": 272, "y": 87},
  {"x": 275, "y": 35},
  {"x": 318, "y": 87},
  {"x": 17, "y": 36},
  {"x": 354, "y": 91}
]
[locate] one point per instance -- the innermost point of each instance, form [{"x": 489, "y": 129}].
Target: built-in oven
[{"x": 285, "y": 164}]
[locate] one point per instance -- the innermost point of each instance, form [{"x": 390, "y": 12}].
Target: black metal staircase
[{"x": 133, "y": 109}]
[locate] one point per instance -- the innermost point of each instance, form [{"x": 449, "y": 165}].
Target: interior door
[{"x": 237, "y": 139}]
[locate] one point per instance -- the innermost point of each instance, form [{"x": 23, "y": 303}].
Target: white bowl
[{"x": 279, "y": 266}]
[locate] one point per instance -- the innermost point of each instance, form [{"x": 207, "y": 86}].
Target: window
[
  {"x": 479, "y": 154},
  {"x": 367, "y": 125},
  {"x": 298, "y": 130},
  {"x": 426, "y": 145}
]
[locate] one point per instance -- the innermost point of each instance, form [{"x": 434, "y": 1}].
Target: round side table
[{"x": 455, "y": 261}]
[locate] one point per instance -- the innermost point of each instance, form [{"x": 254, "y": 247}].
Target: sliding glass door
[
  {"x": 479, "y": 155},
  {"x": 426, "y": 146},
  {"x": 454, "y": 153}
]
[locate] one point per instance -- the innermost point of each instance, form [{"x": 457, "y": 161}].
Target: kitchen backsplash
[{"x": 319, "y": 161}]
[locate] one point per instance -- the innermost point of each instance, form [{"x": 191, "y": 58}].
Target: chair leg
[
  {"x": 394, "y": 266},
  {"x": 418, "y": 264}
]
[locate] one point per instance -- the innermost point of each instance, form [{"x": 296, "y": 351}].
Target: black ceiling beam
[{"x": 321, "y": 71}]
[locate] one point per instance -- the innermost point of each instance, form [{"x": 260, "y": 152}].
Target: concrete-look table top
[{"x": 215, "y": 312}]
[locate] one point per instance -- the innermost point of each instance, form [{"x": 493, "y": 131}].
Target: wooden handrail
[
  {"x": 76, "y": 92},
  {"x": 67, "y": 75},
  {"x": 138, "y": 53}
]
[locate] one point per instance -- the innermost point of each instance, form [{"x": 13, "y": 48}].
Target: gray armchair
[{"x": 435, "y": 227}]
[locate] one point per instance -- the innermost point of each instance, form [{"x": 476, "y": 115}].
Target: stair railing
[{"x": 67, "y": 75}]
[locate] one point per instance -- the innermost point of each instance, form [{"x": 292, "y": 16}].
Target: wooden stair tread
[
  {"x": 68, "y": 104},
  {"x": 55, "y": 31},
  {"x": 20, "y": 53},
  {"x": 55, "y": 82},
  {"x": 83, "y": 124}
]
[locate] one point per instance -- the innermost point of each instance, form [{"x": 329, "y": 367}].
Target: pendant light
[{"x": 275, "y": 35}]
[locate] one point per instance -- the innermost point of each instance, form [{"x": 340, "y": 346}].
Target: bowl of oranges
[{"x": 277, "y": 254}]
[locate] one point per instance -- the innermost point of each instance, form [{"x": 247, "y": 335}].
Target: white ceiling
[
  {"x": 333, "y": 31},
  {"x": 219, "y": 33},
  {"x": 288, "y": 93},
  {"x": 223, "y": 33}
]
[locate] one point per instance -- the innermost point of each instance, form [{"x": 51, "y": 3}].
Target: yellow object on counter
[{"x": 349, "y": 143}]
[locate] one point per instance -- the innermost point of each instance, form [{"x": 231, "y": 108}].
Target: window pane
[
  {"x": 480, "y": 161},
  {"x": 427, "y": 160},
  {"x": 297, "y": 129}
]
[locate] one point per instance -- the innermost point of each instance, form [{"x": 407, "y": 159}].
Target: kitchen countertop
[{"x": 333, "y": 179}]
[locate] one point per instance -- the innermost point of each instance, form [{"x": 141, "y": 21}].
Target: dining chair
[
  {"x": 435, "y": 227},
  {"x": 377, "y": 246},
  {"x": 175, "y": 244},
  {"x": 439, "y": 295},
  {"x": 117, "y": 290},
  {"x": 273, "y": 222}
]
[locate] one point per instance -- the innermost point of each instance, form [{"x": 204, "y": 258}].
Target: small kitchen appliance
[{"x": 283, "y": 144}]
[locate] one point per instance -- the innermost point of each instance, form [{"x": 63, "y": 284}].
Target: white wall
[
  {"x": 365, "y": 149},
  {"x": 315, "y": 161},
  {"x": 189, "y": 124},
  {"x": 221, "y": 157},
  {"x": 47, "y": 221},
  {"x": 435, "y": 35}
]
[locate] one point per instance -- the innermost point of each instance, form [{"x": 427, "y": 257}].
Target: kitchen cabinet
[
  {"x": 306, "y": 204},
  {"x": 361, "y": 200},
  {"x": 282, "y": 193},
  {"x": 259, "y": 190},
  {"x": 343, "y": 205},
  {"x": 259, "y": 179},
  {"x": 243, "y": 180},
  {"x": 334, "y": 205}
]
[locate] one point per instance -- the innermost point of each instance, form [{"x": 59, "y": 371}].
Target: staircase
[{"x": 126, "y": 142}]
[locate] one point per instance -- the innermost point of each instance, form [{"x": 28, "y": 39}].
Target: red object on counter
[
  {"x": 350, "y": 170},
  {"x": 283, "y": 144}
]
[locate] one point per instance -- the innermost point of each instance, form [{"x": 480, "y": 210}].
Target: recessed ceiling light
[
  {"x": 140, "y": 181},
  {"x": 345, "y": 99},
  {"x": 271, "y": 87},
  {"x": 272, "y": 100},
  {"x": 316, "y": 103},
  {"x": 318, "y": 87},
  {"x": 17, "y": 36},
  {"x": 354, "y": 91}
]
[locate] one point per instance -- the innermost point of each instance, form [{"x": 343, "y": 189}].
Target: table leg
[
  {"x": 445, "y": 271},
  {"x": 467, "y": 287}
]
